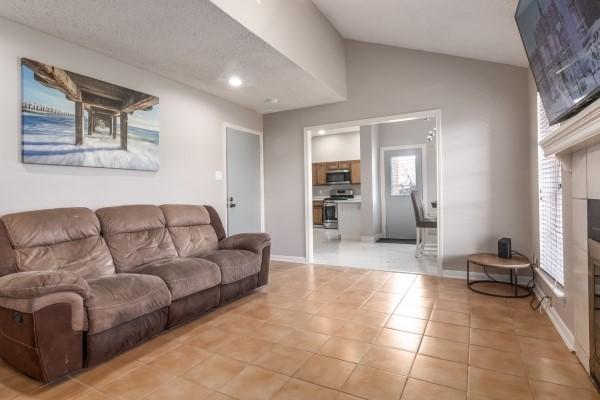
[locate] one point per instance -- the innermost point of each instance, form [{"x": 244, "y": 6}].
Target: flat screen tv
[{"x": 562, "y": 42}]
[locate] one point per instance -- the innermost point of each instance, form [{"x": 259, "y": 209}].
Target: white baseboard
[
  {"x": 292, "y": 259},
  {"x": 371, "y": 239},
  {"x": 584, "y": 358},
  {"x": 564, "y": 332}
]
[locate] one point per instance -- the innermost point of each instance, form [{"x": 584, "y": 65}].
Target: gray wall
[
  {"x": 485, "y": 149},
  {"x": 191, "y": 135},
  {"x": 414, "y": 132}
]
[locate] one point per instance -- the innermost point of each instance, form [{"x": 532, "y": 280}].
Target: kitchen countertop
[{"x": 354, "y": 200}]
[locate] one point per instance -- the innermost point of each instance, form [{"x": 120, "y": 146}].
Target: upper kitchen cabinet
[
  {"x": 332, "y": 165},
  {"x": 355, "y": 171},
  {"x": 344, "y": 164},
  {"x": 320, "y": 170},
  {"x": 319, "y": 173}
]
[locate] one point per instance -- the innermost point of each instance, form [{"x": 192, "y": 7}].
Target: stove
[{"x": 330, "y": 215}]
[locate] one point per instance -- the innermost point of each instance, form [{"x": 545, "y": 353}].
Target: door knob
[{"x": 231, "y": 204}]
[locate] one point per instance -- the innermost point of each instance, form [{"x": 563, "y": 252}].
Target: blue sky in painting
[{"x": 35, "y": 92}]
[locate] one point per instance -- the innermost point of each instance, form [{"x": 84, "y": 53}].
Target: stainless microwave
[{"x": 337, "y": 176}]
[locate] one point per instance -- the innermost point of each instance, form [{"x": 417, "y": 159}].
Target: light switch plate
[{"x": 219, "y": 175}]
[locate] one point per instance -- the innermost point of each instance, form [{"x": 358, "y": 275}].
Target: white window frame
[
  {"x": 394, "y": 187},
  {"x": 550, "y": 204}
]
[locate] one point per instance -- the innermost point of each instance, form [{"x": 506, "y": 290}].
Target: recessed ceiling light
[
  {"x": 235, "y": 81},
  {"x": 321, "y": 131},
  {"x": 273, "y": 100}
]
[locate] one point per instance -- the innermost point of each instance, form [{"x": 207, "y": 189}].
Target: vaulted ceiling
[
  {"x": 479, "y": 29},
  {"x": 284, "y": 51},
  {"x": 190, "y": 41}
]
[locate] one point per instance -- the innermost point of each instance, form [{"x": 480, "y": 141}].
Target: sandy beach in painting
[{"x": 50, "y": 139}]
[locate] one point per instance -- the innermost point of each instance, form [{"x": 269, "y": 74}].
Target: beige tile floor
[{"x": 340, "y": 333}]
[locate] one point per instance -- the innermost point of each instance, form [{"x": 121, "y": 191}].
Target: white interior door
[
  {"x": 244, "y": 182},
  {"x": 403, "y": 174}
]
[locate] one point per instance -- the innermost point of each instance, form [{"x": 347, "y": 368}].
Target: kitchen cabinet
[
  {"x": 319, "y": 171},
  {"x": 355, "y": 171},
  {"x": 317, "y": 212},
  {"x": 344, "y": 164},
  {"x": 332, "y": 165},
  {"x": 321, "y": 174}
]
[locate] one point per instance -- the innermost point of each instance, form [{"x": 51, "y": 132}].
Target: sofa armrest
[
  {"x": 29, "y": 285},
  {"x": 259, "y": 243},
  {"x": 42, "y": 319},
  {"x": 254, "y": 242}
]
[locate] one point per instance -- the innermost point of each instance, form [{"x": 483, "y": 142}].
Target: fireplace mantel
[{"x": 575, "y": 133}]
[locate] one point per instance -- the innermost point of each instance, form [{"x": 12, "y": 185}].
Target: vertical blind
[
  {"x": 550, "y": 205},
  {"x": 403, "y": 174}
]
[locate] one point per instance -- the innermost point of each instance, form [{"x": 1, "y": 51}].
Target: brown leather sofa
[{"x": 78, "y": 287}]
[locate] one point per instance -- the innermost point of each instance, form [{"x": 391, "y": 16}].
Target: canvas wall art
[{"x": 71, "y": 119}]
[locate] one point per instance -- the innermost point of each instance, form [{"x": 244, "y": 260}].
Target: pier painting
[{"x": 71, "y": 119}]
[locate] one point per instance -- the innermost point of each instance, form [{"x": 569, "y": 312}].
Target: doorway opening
[
  {"x": 373, "y": 193},
  {"x": 244, "y": 180}
]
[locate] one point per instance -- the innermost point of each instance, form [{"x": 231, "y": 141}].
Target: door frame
[
  {"x": 262, "y": 173},
  {"x": 424, "y": 182},
  {"x": 308, "y": 194}
]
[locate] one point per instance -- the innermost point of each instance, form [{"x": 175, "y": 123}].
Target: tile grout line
[{"x": 374, "y": 289}]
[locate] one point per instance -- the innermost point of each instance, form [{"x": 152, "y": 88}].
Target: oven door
[
  {"x": 330, "y": 220},
  {"x": 338, "y": 177}
]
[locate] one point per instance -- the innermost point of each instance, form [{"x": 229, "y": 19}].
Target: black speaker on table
[{"x": 504, "y": 248}]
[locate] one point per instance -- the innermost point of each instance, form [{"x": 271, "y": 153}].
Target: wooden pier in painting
[{"x": 107, "y": 105}]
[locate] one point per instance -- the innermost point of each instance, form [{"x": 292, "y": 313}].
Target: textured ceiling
[
  {"x": 190, "y": 41},
  {"x": 479, "y": 29}
]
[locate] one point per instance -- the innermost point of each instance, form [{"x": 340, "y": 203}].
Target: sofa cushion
[
  {"x": 183, "y": 276},
  {"x": 235, "y": 265},
  {"x": 119, "y": 298},
  {"x": 57, "y": 239},
  {"x": 190, "y": 229},
  {"x": 136, "y": 235}
]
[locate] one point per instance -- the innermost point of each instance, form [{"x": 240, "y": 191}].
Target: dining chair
[{"x": 422, "y": 223}]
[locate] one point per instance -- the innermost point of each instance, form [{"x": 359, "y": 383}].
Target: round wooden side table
[{"x": 513, "y": 265}]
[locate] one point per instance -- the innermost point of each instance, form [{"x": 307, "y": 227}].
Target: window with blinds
[
  {"x": 550, "y": 205},
  {"x": 403, "y": 174}
]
